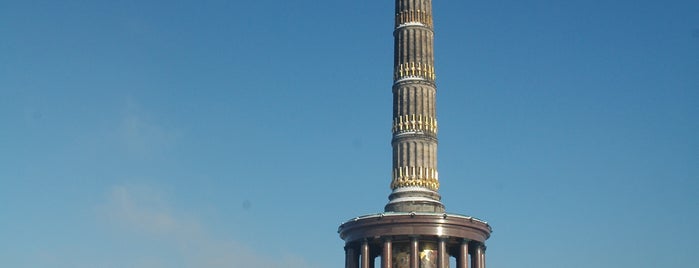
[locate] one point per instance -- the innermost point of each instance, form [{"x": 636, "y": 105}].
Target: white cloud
[
  {"x": 145, "y": 211},
  {"x": 141, "y": 134}
]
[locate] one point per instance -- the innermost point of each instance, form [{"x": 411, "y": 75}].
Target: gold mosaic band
[
  {"x": 418, "y": 16},
  {"x": 414, "y": 122},
  {"x": 415, "y": 176},
  {"x": 412, "y": 69}
]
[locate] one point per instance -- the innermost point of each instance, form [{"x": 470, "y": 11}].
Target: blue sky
[{"x": 242, "y": 133}]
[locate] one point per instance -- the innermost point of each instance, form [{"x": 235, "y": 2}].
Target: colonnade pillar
[
  {"x": 351, "y": 258},
  {"x": 478, "y": 257},
  {"x": 359, "y": 255},
  {"x": 462, "y": 258},
  {"x": 366, "y": 257},
  {"x": 414, "y": 253},
  {"x": 387, "y": 254},
  {"x": 443, "y": 259}
]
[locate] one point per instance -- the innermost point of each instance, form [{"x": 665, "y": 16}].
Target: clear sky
[{"x": 242, "y": 133}]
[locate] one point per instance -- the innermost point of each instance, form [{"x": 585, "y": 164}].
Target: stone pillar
[
  {"x": 415, "y": 179},
  {"x": 462, "y": 258},
  {"x": 351, "y": 260},
  {"x": 366, "y": 258},
  {"x": 414, "y": 253},
  {"x": 483, "y": 257},
  {"x": 387, "y": 255},
  {"x": 443, "y": 260},
  {"x": 477, "y": 256}
]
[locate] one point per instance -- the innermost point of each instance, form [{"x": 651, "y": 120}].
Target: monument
[{"x": 414, "y": 231}]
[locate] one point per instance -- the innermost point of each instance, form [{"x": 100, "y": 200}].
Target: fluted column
[{"x": 415, "y": 179}]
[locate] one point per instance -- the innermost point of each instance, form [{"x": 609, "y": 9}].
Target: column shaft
[
  {"x": 443, "y": 259},
  {"x": 415, "y": 176},
  {"x": 462, "y": 259},
  {"x": 414, "y": 253},
  {"x": 351, "y": 260},
  {"x": 365, "y": 254},
  {"x": 477, "y": 257},
  {"x": 387, "y": 255}
]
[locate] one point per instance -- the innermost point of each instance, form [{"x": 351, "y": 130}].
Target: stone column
[
  {"x": 387, "y": 255},
  {"x": 414, "y": 253},
  {"x": 477, "y": 256},
  {"x": 462, "y": 259},
  {"x": 365, "y": 254},
  {"x": 415, "y": 179},
  {"x": 351, "y": 260},
  {"x": 443, "y": 261},
  {"x": 483, "y": 257}
]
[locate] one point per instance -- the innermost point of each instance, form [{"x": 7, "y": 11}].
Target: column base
[{"x": 414, "y": 199}]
